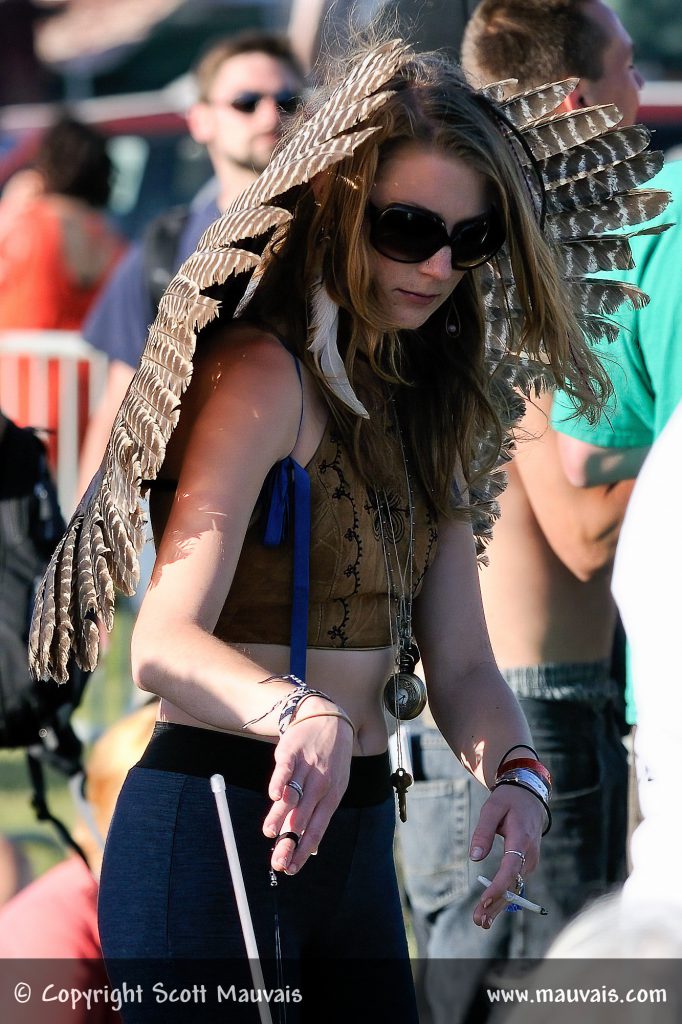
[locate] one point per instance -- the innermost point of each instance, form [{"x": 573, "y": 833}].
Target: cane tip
[{"x": 217, "y": 784}]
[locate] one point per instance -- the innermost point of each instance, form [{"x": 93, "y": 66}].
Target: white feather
[{"x": 323, "y": 330}]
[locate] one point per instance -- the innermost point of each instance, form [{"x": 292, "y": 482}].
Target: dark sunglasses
[
  {"x": 246, "y": 102},
  {"x": 410, "y": 234}
]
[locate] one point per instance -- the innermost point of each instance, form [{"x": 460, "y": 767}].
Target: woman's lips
[{"x": 418, "y": 298}]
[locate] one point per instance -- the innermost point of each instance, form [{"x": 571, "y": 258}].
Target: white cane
[{"x": 218, "y": 787}]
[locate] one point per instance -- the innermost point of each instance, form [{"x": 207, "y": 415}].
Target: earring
[{"x": 453, "y": 324}]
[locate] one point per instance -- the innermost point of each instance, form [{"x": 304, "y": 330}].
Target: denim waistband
[
  {"x": 249, "y": 763},
  {"x": 584, "y": 681}
]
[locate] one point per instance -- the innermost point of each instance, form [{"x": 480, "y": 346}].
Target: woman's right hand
[{"x": 316, "y": 754}]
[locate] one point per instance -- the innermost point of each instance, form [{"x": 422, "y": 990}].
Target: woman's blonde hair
[{"x": 444, "y": 407}]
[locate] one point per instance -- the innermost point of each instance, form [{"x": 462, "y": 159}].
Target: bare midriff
[{"x": 354, "y": 679}]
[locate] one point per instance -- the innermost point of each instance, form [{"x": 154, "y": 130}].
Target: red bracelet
[{"x": 525, "y": 762}]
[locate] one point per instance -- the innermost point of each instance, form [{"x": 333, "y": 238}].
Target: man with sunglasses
[
  {"x": 246, "y": 85},
  {"x": 548, "y": 607}
]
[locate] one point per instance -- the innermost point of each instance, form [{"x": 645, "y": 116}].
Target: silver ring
[
  {"x": 517, "y": 853},
  {"x": 298, "y": 788}
]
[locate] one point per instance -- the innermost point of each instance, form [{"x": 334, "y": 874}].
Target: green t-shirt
[{"x": 645, "y": 361}]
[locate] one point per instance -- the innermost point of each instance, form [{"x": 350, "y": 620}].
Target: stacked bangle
[
  {"x": 529, "y": 774},
  {"x": 291, "y": 703},
  {"x": 525, "y": 762}
]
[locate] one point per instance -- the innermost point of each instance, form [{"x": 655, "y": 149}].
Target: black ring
[{"x": 295, "y": 838}]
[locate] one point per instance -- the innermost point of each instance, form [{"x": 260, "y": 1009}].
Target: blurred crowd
[{"x": 603, "y": 717}]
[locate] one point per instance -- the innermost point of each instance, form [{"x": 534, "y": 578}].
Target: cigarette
[{"x": 520, "y": 901}]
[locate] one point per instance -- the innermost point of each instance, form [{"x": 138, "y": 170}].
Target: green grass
[{"x": 107, "y": 696}]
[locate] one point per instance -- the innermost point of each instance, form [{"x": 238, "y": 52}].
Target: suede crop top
[{"x": 348, "y": 604}]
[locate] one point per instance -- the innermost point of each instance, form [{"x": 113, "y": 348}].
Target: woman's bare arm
[
  {"x": 472, "y": 705},
  {"x": 249, "y": 406}
]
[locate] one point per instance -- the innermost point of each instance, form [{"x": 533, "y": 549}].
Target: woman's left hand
[
  {"x": 316, "y": 755},
  {"x": 519, "y": 817}
]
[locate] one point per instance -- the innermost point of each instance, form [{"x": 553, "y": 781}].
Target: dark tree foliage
[{"x": 656, "y": 27}]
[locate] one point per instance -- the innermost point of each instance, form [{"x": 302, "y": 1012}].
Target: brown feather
[
  {"x": 499, "y": 91},
  {"x": 603, "y": 184},
  {"x": 124, "y": 565},
  {"x": 567, "y": 131},
  {"x": 64, "y": 579},
  {"x": 593, "y": 295},
  {"x": 611, "y": 148},
  {"x": 595, "y": 328},
  {"x": 527, "y": 107},
  {"x": 209, "y": 267},
  {"x": 602, "y": 252},
  {"x": 248, "y": 223},
  {"x": 630, "y": 208}
]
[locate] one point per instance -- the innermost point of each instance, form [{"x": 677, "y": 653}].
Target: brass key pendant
[{"x": 400, "y": 781}]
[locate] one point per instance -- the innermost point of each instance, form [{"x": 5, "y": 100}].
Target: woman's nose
[{"x": 439, "y": 265}]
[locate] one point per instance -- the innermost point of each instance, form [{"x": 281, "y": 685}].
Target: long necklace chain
[{"x": 400, "y": 622}]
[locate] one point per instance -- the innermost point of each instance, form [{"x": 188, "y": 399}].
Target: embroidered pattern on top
[{"x": 342, "y": 492}]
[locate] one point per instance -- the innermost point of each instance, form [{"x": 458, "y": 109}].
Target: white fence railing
[{"x": 52, "y": 380}]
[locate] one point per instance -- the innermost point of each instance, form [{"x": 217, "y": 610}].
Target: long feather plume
[
  {"x": 104, "y": 538},
  {"x": 100, "y": 551}
]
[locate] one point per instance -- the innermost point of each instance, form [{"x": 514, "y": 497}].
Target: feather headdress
[{"x": 588, "y": 169}]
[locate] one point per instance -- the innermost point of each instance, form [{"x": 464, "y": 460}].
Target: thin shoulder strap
[
  {"x": 297, "y": 364},
  {"x": 289, "y": 509}
]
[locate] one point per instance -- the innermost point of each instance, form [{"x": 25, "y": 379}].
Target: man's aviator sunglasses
[
  {"x": 246, "y": 102},
  {"x": 410, "y": 234}
]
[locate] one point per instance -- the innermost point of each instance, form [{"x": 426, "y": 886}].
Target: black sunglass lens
[
  {"x": 288, "y": 102},
  {"x": 409, "y": 236},
  {"x": 476, "y": 241},
  {"x": 247, "y": 103}
]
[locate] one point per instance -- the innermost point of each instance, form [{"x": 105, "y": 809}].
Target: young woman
[{"x": 378, "y": 271}]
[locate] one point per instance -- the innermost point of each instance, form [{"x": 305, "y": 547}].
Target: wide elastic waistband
[
  {"x": 249, "y": 763},
  {"x": 586, "y": 681}
]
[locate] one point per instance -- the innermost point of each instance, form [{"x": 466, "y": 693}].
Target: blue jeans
[
  {"x": 167, "y": 906},
  {"x": 582, "y": 856}
]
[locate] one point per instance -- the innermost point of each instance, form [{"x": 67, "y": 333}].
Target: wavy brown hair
[{"x": 440, "y": 385}]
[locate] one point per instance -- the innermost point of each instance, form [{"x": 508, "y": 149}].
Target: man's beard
[{"x": 252, "y": 162}]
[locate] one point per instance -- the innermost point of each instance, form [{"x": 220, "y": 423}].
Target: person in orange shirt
[{"x": 58, "y": 248}]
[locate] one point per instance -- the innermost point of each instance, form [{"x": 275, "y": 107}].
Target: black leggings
[{"x": 168, "y": 914}]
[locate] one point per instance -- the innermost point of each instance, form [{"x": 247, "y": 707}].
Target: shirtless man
[{"x": 546, "y": 593}]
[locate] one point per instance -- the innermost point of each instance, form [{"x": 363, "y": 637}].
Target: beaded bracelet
[
  {"x": 525, "y": 762},
  {"x": 522, "y": 785}
]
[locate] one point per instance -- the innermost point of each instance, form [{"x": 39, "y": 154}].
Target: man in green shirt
[{"x": 645, "y": 363}]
